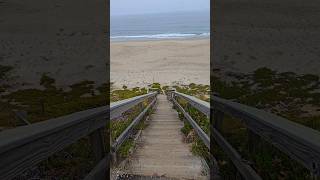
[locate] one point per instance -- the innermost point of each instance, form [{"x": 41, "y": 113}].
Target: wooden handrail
[
  {"x": 125, "y": 134},
  {"x": 202, "y": 106},
  {"x": 297, "y": 141},
  {"x": 26, "y": 146},
  {"x": 117, "y": 108},
  {"x": 195, "y": 103}
]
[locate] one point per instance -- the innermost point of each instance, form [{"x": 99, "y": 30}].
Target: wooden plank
[
  {"x": 202, "y": 106},
  {"x": 26, "y": 146},
  {"x": 163, "y": 152},
  {"x": 299, "y": 142},
  {"x": 119, "y": 107},
  {"x": 203, "y": 136}
]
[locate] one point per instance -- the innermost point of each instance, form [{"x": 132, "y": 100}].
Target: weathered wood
[
  {"x": 253, "y": 141},
  {"x": 204, "y": 137},
  {"x": 246, "y": 171},
  {"x": 218, "y": 119},
  {"x": 214, "y": 167},
  {"x": 169, "y": 93},
  {"x": 25, "y": 146},
  {"x": 200, "y": 105},
  {"x": 297, "y": 141},
  {"x": 119, "y": 107},
  {"x": 98, "y": 144},
  {"x": 161, "y": 151},
  {"x": 125, "y": 134},
  {"x": 100, "y": 171}
]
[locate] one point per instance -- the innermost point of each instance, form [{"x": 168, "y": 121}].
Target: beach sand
[
  {"x": 64, "y": 39},
  {"x": 168, "y": 62},
  {"x": 281, "y": 35}
]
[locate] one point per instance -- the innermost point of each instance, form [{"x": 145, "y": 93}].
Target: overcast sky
[{"x": 122, "y": 7}]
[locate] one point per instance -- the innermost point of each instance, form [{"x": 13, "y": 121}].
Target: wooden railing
[
  {"x": 297, "y": 141},
  {"x": 26, "y": 146},
  {"x": 200, "y": 105},
  {"x": 203, "y": 107},
  {"x": 128, "y": 131}
]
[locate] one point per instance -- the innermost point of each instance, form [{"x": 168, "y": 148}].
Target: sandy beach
[
  {"x": 281, "y": 35},
  {"x": 47, "y": 37},
  {"x": 139, "y": 63}
]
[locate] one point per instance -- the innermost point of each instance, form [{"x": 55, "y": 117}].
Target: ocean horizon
[{"x": 178, "y": 25}]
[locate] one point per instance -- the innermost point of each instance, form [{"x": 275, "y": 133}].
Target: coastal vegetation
[{"x": 51, "y": 102}]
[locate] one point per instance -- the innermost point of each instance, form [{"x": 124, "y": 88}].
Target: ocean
[{"x": 160, "y": 26}]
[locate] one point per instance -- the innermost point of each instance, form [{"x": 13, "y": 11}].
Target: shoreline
[{"x": 159, "y": 39}]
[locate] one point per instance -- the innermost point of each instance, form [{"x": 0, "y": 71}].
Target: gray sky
[{"x": 121, "y": 7}]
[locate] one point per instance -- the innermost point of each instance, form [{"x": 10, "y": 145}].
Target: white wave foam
[
  {"x": 160, "y": 36},
  {"x": 205, "y": 34}
]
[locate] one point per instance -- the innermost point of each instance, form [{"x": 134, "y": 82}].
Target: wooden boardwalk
[{"x": 161, "y": 151}]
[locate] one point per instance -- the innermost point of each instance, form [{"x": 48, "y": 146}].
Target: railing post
[
  {"x": 218, "y": 119},
  {"x": 214, "y": 168},
  {"x": 97, "y": 141},
  {"x": 141, "y": 106},
  {"x": 315, "y": 172},
  {"x": 172, "y": 97},
  {"x": 113, "y": 156},
  {"x": 98, "y": 144},
  {"x": 253, "y": 141}
]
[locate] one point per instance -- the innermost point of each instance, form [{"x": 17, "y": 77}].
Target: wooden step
[{"x": 161, "y": 150}]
